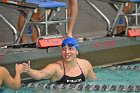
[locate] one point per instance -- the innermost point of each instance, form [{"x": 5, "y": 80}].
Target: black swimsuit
[{"x": 71, "y": 80}]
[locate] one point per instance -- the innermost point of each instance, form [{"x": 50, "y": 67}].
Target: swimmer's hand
[
  {"x": 19, "y": 68},
  {"x": 26, "y": 67}
]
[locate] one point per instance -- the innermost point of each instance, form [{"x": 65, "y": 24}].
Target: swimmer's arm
[
  {"x": 13, "y": 83},
  {"x": 39, "y": 74},
  {"x": 91, "y": 75},
  {"x": 45, "y": 73}
]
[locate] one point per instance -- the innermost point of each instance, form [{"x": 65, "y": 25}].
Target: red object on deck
[
  {"x": 12, "y": 2},
  {"x": 134, "y": 32},
  {"x": 49, "y": 42}
]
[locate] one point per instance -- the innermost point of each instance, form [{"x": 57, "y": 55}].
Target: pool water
[{"x": 120, "y": 76}]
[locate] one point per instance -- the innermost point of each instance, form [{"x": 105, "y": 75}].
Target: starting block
[
  {"x": 49, "y": 41},
  {"x": 133, "y": 32}
]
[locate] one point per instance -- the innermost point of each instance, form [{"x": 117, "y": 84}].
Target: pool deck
[{"x": 101, "y": 51}]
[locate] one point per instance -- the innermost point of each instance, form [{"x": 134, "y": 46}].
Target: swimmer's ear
[{"x": 77, "y": 52}]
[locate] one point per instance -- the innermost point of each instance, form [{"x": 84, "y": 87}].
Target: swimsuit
[{"x": 71, "y": 80}]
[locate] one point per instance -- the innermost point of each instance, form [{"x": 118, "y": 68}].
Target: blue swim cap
[{"x": 70, "y": 41}]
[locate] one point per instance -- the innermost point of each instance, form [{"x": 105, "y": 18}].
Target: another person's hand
[{"x": 26, "y": 67}]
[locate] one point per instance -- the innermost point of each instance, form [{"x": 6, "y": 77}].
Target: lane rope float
[
  {"x": 84, "y": 87},
  {"x": 125, "y": 67}
]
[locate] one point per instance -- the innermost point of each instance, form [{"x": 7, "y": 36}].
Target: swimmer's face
[{"x": 69, "y": 52}]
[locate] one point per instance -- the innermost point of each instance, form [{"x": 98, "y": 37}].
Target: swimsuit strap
[
  {"x": 78, "y": 65},
  {"x": 80, "y": 68},
  {"x": 64, "y": 67}
]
